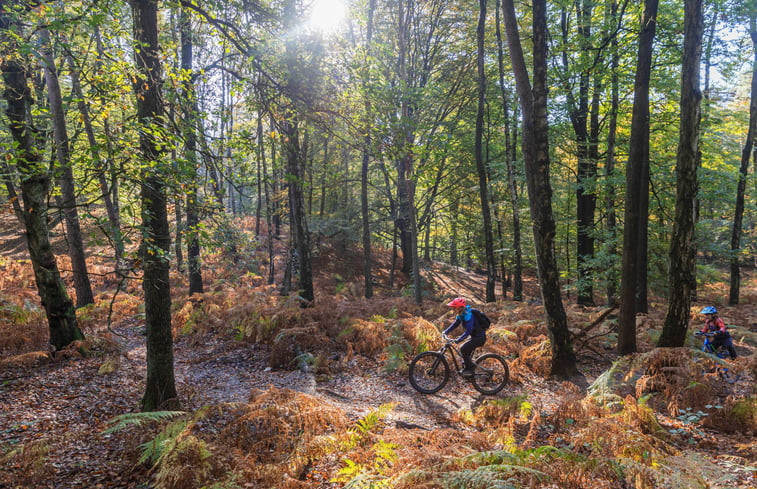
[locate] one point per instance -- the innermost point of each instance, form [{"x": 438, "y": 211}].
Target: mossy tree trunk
[
  {"x": 35, "y": 184},
  {"x": 536, "y": 155}
]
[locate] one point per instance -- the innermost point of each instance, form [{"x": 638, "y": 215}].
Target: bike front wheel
[
  {"x": 491, "y": 375},
  {"x": 429, "y": 372}
]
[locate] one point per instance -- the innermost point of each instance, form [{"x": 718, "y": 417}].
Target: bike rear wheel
[
  {"x": 429, "y": 372},
  {"x": 491, "y": 375}
]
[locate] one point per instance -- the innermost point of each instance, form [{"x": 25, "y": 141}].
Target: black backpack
[{"x": 481, "y": 320}]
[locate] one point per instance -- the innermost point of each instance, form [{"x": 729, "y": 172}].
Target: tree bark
[
  {"x": 290, "y": 129},
  {"x": 536, "y": 155},
  {"x": 480, "y": 164},
  {"x": 35, "y": 183},
  {"x": 587, "y": 166},
  {"x": 160, "y": 389},
  {"x": 10, "y": 187},
  {"x": 66, "y": 179},
  {"x": 189, "y": 126},
  {"x": 738, "y": 215},
  {"x": 114, "y": 219},
  {"x": 510, "y": 149},
  {"x": 635, "y": 214},
  {"x": 682, "y": 247},
  {"x": 612, "y": 126},
  {"x": 365, "y": 211}
]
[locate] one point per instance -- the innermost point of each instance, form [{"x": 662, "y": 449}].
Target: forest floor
[{"x": 54, "y": 409}]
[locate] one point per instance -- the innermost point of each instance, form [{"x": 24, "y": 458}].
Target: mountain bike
[
  {"x": 720, "y": 352},
  {"x": 430, "y": 370}
]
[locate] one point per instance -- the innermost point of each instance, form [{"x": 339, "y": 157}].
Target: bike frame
[
  {"x": 454, "y": 352},
  {"x": 708, "y": 347}
]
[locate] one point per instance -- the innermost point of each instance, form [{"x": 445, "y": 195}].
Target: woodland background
[{"x": 250, "y": 215}]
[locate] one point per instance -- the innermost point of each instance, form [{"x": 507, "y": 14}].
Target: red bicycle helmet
[{"x": 457, "y": 302}]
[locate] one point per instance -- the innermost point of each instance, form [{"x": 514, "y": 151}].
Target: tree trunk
[
  {"x": 682, "y": 249},
  {"x": 612, "y": 125},
  {"x": 114, "y": 220},
  {"x": 268, "y": 204},
  {"x": 66, "y": 180},
  {"x": 189, "y": 126},
  {"x": 160, "y": 391},
  {"x": 35, "y": 183},
  {"x": 738, "y": 216},
  {"x": 10, "y": 187},
  {"x": 365, "y": 215},
  {"x": 480, "y": 164},
  {"x": 587, "y": 167},
  {"x": 453, "y": 258},
  {"x": 510, "y": 149},
  {"x": 299, "y": 225},
  {"x": 536, "y": 155},
  {"x": 638, "y": 159}
]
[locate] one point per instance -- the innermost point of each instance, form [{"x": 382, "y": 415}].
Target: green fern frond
[
  {"x": 372, "y": 419},
  {"x": 155, "y": 449},
  {"x": 127, "y": 420},
  {"x": 480, "y": 478},
  {"x": 368, "y": 481},
  {"x": 494, "y": 457}
]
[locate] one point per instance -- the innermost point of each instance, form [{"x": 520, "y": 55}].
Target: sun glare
[{"x": 327, "y": 15}]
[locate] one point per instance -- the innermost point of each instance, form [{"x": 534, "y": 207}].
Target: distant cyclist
[
  {"x": 475, "y": 335},
  {"x": 713, "y": 324}
]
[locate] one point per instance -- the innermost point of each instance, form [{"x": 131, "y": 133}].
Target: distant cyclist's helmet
[
  {"x": 457, "y": 302},
  {"x": 708, "y": 310}
]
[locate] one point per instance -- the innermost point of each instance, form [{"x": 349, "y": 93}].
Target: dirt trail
[{"x": 213, "y": 373}]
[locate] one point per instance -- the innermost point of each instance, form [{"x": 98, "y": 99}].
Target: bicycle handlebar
[{"x": 699, "y": 333}]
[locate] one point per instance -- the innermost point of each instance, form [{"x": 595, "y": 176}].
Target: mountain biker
[
  {"x": 476, "y": 336},
  {"x": 713, "y": 324}
]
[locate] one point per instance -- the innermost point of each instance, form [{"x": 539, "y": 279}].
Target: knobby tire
[
  {"x": 429, "y": 372},
  {"x": 491, "y": 375}
]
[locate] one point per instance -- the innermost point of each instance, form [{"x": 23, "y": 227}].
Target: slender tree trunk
[
  {"x": 612, "y": 125},
  {"x": 510, "y": 148},
  {"x": 10, "y": 187},
  {"x": 587, "y": 167},
  {"x": 738, "y": 216},
  {"x": 635, "y": 212},
  {"x": 299, "y": 223},
  {"x": 35, "y": 183},
  {"x": 189, "y": 126},
  {"x": 114, "y": 220},
  {"x": 453, "y": 259},
  {"x": 262, "y": 193},
  {"x": 405, "y": 166},
  {"x": 268, "y": 205},
  {"x": 536, "y": 155},
  {"x": 178, "y": 203},
  {"x": 160, "y": 391},
  {"x": 480, "y": 164},
  {"x": 682, "y": 249},
  {"x": 66, "y": 180},
  {"x": 365, "y": 212}
]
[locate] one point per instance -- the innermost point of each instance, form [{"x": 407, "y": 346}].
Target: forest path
[{"x": 217, "y": 372}]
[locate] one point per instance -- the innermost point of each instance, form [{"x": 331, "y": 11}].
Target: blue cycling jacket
[{"x": 468, "y": 322}]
